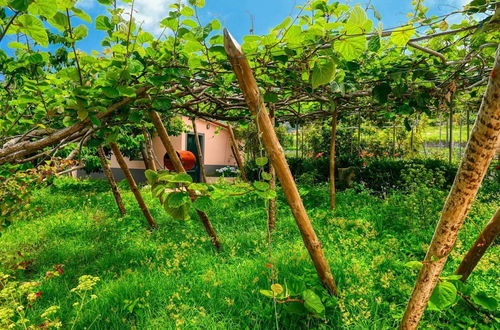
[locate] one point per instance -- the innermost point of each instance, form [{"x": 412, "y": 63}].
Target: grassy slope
[{"x": 176, "y": 277}]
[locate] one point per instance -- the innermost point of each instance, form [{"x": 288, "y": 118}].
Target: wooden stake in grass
[
  {"x": 482, "y": 243},
  {"x": 332, "y": 158},
  {"x": 132, "y": 184},
  {"x": 271, "y": 217},
  {"x": 236, "y": 153},
  {"x": 174, "y": 158},
  {"x": 255, "y": 102},
  {"x": 111, "y": 180},
  {"x": 201, "y": 158},
  {"x": 149, "y": 151},
  {"x": 478, "y": 154}
]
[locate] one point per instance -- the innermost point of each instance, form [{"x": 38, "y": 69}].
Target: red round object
[{"x": 188, "y": 160}]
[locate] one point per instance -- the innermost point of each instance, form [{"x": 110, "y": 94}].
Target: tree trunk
[
  {"x": 236, "y": 153},
  {"x": 19, "y": 150},
  {"x": 201, "y": 157},
  {"x": 450, "y": 145},
  {"x": 132, "y": 184},
  {"x": 149, "y": 151},
  {"x": 332, "y": 159},
  {"x": 271, "y": 218},
  {"x": 174, "y": 158},
  {"x": 111, "y": 180},
  {"x": 275, "y": 152},
  {"x": 483, "y": 242},
  {"x": 477, "y": 156}
]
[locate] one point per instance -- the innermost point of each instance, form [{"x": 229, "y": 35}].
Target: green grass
[{"x": 176, "y": 279}]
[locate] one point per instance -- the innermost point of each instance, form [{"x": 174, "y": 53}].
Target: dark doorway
[{"x": 191, "y": 146}]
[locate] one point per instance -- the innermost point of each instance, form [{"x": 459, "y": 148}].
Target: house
[{"x": 215, "y": 142}]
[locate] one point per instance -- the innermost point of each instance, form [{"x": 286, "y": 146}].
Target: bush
[{"x": 377, "y": 174}]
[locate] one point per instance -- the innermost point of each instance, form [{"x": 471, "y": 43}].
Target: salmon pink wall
[{"x": 217, "y": 145}]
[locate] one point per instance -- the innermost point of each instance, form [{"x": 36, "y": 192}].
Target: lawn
[{"x": 172, "y": 277}]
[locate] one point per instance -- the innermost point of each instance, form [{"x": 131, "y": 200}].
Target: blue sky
[{"x": 235, "y": 14}]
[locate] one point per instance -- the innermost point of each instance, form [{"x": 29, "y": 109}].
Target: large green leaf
[
  {"x": 323, "y": 72},
  {"x": 483, "y": 300},
  {"x": 176, "y": 199},
  {"x": 203, "y": 203},
  {"x": 312, "y": 302},
  {"x": 102, "y": 23},
  {"x": 402, "y": 35},
  {"x": 381, "y": 92},
  {"x": 47, "y": 8},
  {"x": 359, "y": 19},
  {"x": 443, "y": 296},
  {"x": 350, "y": 48},
  {"x": 33, "y": 27}
]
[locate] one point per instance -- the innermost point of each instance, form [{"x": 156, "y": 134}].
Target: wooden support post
[
  {"x": 482, "y": 243},
  {"x": 201, "y": 157},
  {"x": 271, "y": 218},
  {"x": 477, "y": 156},
  {"x": 332, "y": 157},
  {"x": 132, "y": 184},
  {"x": 149, "y": 150},
  {"x": 277, "y": 158},
  {"x": 111, "y": 180},
  {"x": 468, "y": 124},
  {"x": 174, "y": 158},
  {"x": 450, "y": 145},
  {"x": 236, "y": 153}
]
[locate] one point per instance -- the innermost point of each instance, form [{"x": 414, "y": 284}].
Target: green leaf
[
  {"x": 359, "y": 19},
  {"x": 47, "y": 8},
  {"x": 483, "y": 300},
  {"x": 266, "y": 176},
  {"x": 263, "y": 186},
  {"x": 182, "y": 178},
  {"x": 203, "y": 203},
  {"x": 312, "y": 302},
  {"x": 102, "y": 23},
  {"x": 180, "y": 213},
  {"x": 267, "y": 293},
  {"x": 402, "y": 35},
  {"x": 94, "y": 120},
  {"x": 16, "y": 45},
  {"x": 151, "y": 176},
  {"x": 82, "y": 114},
  {"x": 126, "y": 91},
  {"x": 277, "y": 289},
  {"x": 198, "y": 186},
  {"x": 381, "y": 92},
  {"x": 323, "y": 72},
  {"x": 187, "y": 11},
  {"x": 374, "y": 44},
  {"x": 81, "y": 14},
  {"x": 416, "y": 265},
  {"x": 19, "y": 5},
  {"x": 270, "y": 97},
  {"x": 261, "y": 161},
  {"x": 33, "y": 27},
  {"x": 443, "y": 296},
  {"x": 80, "y": 32},
  {"x": 144, "y": 37},
  {"x": 176, "y": 199},
  {"x": 350, "y": 48}
]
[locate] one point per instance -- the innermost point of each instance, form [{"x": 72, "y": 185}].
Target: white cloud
[
  {"x": 150, "y": 13},
  {"x": 86, "y": 4}
]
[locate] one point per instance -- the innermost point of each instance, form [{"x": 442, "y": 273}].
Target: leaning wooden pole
[
  {"x": 482, "y": 243},
  {"x": 174, "y": 158},
  {"x": 201, "y": 157},
  {"x": 149, "y": 150},
  {"x": 236, "y": 153},
  {"x": 111, "y": 180},
  {"x": 132, "y": 184},
  {"x": 333, "y": 138},
  {"x": 271, "y": 216},
  {"x": 255, "y": 102},
  {"x": 478, "y": 154}
]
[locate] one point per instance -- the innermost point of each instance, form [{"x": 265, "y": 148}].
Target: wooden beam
[
  {"x": 201, "y": 157},
  {"x": 236, "y": 153},
  {"x": 478, "y": 154},
  {"x": 174, "y": 158},
  {"x": 133, "y": 185},
  {"x": 276, "y": 155},
  {"x": 111, "y": 180}
]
